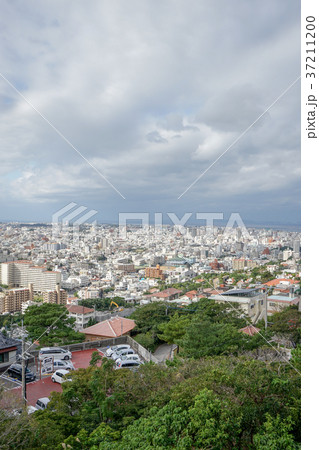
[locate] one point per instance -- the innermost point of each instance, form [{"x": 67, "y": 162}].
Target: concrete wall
[{"x": 145, "y": 354}]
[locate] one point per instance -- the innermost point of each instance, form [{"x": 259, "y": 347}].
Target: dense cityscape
[{"x": 163, "y": 297}]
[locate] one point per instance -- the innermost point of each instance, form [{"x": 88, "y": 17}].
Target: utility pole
[
  {"x": 266, "y": 309},
  {"x": 24, "y": 385}
]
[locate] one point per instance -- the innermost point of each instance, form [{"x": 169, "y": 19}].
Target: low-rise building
[
  {"x": 111, "y": 328},
  {"x": 251, "y": 301},
  {"x": 81, "y": 314},
  {"x": 277, "y": 303},
  {"x": 8, "y": 351}
]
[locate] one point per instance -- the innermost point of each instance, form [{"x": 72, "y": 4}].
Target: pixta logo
[{"x": 67, "y": 220}]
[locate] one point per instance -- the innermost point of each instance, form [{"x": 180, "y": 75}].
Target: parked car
[
  {"x": 55, "y": 352},
  {"x": 127, "y": 364},
  {"x": 42, "y": 403},
  {"x": 15, "y": 371},
  {"x": 119, "y": 353},
  {"x": 133, "y": 357},
  {"x": 58, "y": 376},
  {"x": 115, "y": 348},
  {"x": 62, "y": 364}
]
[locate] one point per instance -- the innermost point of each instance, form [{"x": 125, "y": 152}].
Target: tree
[
  {"x": 208, "y": 423},
  {"x": 275, "y": 435},
  {"x": 51, "y": 324},
  {"x": 149, "y": 316},
  {"x": 203, "y": 338},
  {"x": 288, "y": 323},
  {"x": 173, "y": 330}
]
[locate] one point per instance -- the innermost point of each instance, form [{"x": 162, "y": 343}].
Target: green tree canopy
[{"x": 50, "y": 324}]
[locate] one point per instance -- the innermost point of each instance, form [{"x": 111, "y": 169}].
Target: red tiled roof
[
  {"x": 250, "y": 330},
  {"x": 191, "y": 294},
  {"x": 167, "y": 293},
  {"x": 277, "y": 281},
  {"x": 114, "y": 327},
  {"x": 77, "y": 309}
]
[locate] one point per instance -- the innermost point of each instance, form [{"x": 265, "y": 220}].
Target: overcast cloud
[{"x": 151, "y": 93}]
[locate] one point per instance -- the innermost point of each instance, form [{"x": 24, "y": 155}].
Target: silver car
[
  {"x": 115, "y": 348},
  {"x": 62, "y": 364},
  {"x": 133, "y": 357},
  {"x": 124, "y": 352}
]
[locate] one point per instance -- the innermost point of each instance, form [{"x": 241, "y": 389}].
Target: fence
[{"x": 145, "y": 354}]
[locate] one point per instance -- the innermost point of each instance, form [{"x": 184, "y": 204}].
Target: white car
[
  {"x": 119, "y": 353},
  {"x": 115, "y": 348},
  {"x": 62, "y": 364},
  {"x": 133, "y": 357},
  {"x": 55, "y": 353},
  {"x": 42, "y": 403},
  {"x": 58, "y": 376}
]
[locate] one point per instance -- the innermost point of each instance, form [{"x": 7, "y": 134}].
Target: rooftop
[{"x": 114, "y": 327}]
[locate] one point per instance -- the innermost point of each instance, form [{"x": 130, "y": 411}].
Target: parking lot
[{"x": 44, "y": 387}]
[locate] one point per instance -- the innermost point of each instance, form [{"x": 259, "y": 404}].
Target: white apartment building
[
  {"x": 81, "y": 314},
  {"x": 22, "y": 273},
  {"x": 87, "y": 293}
]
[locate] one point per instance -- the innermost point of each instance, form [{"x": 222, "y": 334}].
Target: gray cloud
[{"x": 123, "y": 80}]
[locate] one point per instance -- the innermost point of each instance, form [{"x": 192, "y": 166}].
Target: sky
[{"x": 108, "y": 99}]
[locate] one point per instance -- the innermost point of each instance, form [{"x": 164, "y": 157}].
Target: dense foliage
[
  {"x": 220, "y": 403},
  {"x": 214, "y": 395},
  {"x": 50, "y": 324}
]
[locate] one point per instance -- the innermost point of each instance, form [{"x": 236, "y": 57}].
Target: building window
[{"x": 4, "y": 357}]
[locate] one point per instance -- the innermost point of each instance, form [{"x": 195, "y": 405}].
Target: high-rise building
[
  {"x": 21, "y": 273},
  {"x": 154, "y": 272},
  {"x": 58, "y": 296},
  {"x": 13, "y": 299}
]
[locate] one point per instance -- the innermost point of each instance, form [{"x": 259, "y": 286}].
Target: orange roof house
[{"x": 111, "y": 328}]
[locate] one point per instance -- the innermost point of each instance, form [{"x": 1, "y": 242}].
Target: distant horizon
[{"x": 220, "y": 224}]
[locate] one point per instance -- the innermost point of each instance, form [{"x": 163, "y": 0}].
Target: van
[{"x": 54, "y": 352}]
